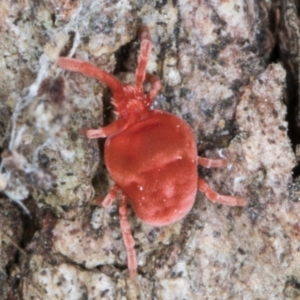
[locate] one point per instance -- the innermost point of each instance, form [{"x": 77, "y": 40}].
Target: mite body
[
  {"x": 150, "y": 154},
  {"x": 160, "y": 167}
]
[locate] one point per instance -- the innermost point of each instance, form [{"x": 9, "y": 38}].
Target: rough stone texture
[
  {"x": 10, "y": 236},
  {"x": 289, "y": 37},
  {"x": 215, "y": 60}
]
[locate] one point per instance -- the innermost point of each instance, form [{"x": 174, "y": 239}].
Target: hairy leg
[
  {"x": 146, "y": 45},
  {"x": 109, "y": 198},
  {"x": 103, "y": 132},
  {"x": 92, "y": 71},
  {"x": 155, "y": 87},
  {"x": 128, "y": 238},
  {"x": 212, "y": 163},
  {"x": 215, "y": 197}
]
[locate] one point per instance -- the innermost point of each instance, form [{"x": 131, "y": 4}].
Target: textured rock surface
[
  {"x": 10, "y": 236},
  {"x": 216, "y": 62}
]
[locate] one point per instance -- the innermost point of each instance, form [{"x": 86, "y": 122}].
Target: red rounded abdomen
[{"x": 154, "y": 162}]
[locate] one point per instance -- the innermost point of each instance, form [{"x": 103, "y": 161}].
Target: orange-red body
[
  {"x": 154, "y": 162},
  {"x": 150, "y": 154}
]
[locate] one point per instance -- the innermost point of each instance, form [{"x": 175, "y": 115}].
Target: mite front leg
[
  {"x": 88, "y": 69},
  {"x": 128, "y": 238},
  {"x": 155, "y": 87},
  {"x": 103, "y": 132},
  {"x": 146, "y": 45},
  {"x": 215, "y": 197}
]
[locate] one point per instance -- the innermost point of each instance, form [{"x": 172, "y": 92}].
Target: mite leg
[
  {"x": 115, "y": 85},
  {"x": 103, "y": 132},
  {"x": 215, "y": 197},
  {"x": 155, "y": 87},
  {"x": 88, "y": 69},
  {"x": 212, "y": 163},
  {"x": 109, "y": 198},
  {"x": 128, "y": 238},
  {"x": 146, "y": 45}
]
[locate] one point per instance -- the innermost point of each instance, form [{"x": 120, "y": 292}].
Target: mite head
[{"x": 130, "y": 101}]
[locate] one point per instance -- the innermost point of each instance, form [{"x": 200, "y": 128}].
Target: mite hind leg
[
  {"x": 109, "y": 198},
  {"x": 128, "y": 238},
  {"x": 212, "y": 163},
  {"x": 124, "y": 224},
  {"x": 212, "y": 195}
]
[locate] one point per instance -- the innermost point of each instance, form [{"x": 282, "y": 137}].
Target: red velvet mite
[{"x": 150, "y": 154}]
